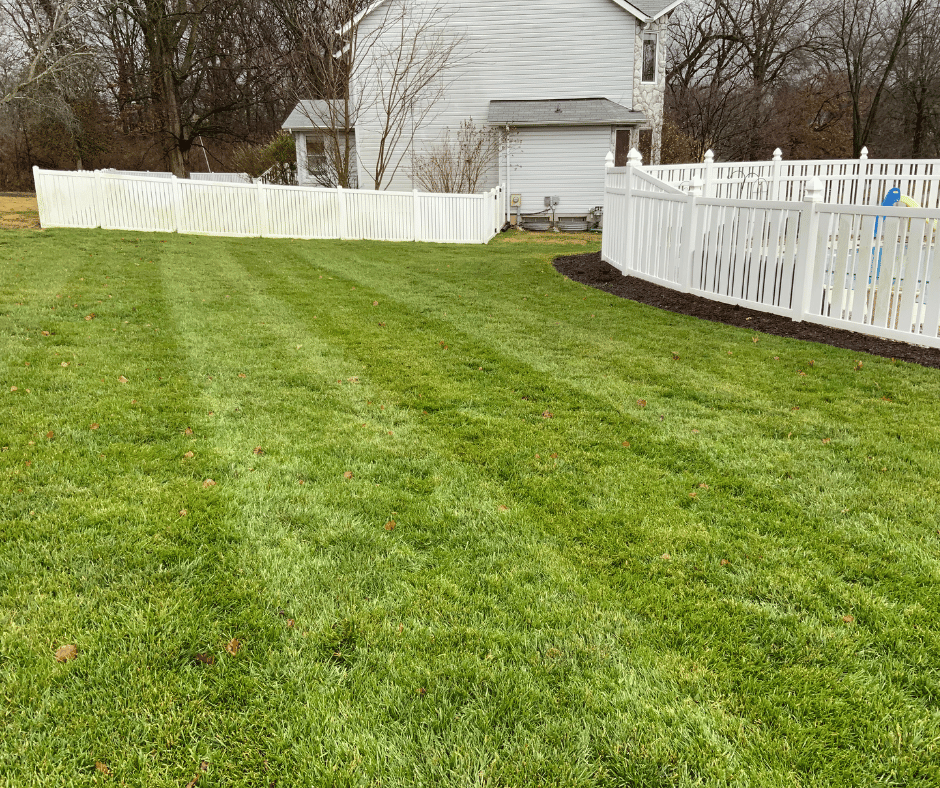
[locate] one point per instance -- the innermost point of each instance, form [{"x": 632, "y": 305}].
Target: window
[
  {"x": 649, "y": 58},
  {"x": 316, "y": 154}
]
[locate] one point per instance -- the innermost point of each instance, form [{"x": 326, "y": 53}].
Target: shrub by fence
[
  {"x": 863, "y": 268},
  {"x": 121, "y": 202}
]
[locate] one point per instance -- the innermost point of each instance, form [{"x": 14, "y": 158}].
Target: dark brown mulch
[{"x": 589, "y": 269}]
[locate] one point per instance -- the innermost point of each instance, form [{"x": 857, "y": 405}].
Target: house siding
[
  {"x": 566, "y": 162},
  {"x": 542, "y": 49}
]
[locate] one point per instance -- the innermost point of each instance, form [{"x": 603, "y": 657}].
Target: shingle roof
[
  {"x": 312, "y": 114},
  {"x": 562, "y": 112}
]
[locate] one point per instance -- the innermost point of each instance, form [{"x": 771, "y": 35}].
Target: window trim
[{"x": 654, "y": 37}]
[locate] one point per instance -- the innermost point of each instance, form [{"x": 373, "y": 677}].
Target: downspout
[{"x": 506, "y": 199}]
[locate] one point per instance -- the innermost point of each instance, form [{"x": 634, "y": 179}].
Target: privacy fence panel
[{"x": 156, "y": 203}]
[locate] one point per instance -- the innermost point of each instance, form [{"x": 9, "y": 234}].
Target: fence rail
[
  {"x": 157, "y": 204},
  {"x": 864, "y": 268}
]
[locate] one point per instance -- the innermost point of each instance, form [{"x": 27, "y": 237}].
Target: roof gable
[{"x": 644, "y": 10}]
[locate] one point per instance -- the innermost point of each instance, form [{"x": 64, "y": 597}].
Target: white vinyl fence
[
  {"x": 123, "y": 202},
  {"x": 863, "y": 268},
  {"x": 860, "y": 181},
  {"x": 221, "y": 177}
]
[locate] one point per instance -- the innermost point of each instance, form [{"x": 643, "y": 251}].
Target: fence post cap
[
  {"x": 778, "y": 155},
  {"x": 863, "y": 154},
  {"x": 695, "y": 188},
  {"x": 609, "y": 159},
  {"x": 709, "y": 156},
  {"x": 634, "y": 158},
  {"x": 814, "y": 190}
]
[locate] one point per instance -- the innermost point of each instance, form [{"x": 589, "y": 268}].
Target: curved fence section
[{"x": 864, "y": 268}]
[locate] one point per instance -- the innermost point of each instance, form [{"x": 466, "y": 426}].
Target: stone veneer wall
[{"x": 649, "y": 98}]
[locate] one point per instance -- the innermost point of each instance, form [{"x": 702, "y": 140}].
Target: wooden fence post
[
  {"x": 806, "y": 251},
  {"x": 689, "y": 225}
]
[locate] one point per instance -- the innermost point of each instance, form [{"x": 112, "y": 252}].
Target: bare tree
[
  {"x": 386, "y": 65},
  {"x": 867, "y": 36},
  {"x": 915, "y": 89},
  {"x": 455, "y": 165},
  {"x": 37, "y": 45}
]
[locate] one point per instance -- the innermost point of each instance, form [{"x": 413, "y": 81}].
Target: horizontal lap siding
[
  {"x": 567, "y": 163},
  {"x": 536, "y": 50}
]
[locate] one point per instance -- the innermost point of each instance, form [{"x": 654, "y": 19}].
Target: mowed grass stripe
[{"x": 95, "y": 551}]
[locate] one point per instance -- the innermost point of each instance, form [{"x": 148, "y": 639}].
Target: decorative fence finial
[
  {"x": 634, "y": 158},
  {"x": 695, "y": 189},
  {"x": 709, "y": 156},
  {"x": 609, "y": 159},
  {"x": 778, "y": 155},
  {"x": 863, "y": 156},
  {"x": 814, "y": 190}
]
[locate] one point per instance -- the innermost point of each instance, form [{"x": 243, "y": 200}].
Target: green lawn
[{"x": 472, "y": 524}]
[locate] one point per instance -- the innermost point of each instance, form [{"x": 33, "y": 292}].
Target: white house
[{"x": 565, "y": 82}]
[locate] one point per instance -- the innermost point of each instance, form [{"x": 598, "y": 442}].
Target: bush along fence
[
  {"x": 864, "y": 268},
  {"x": 158, "y": 204}
]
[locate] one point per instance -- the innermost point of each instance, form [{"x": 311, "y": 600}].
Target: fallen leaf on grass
[
  {"x": 675, "y": 356},
  {"x": 626, "y": 443},
  {"x": 65, "y": 653},
  {"x": 205, "y": 659},
  {"x": 94, "y": 426},
  {"x": 122, "y": 379},
  {"x": 50, "y": 435},
  {"x": 641, "y": 403},
  {"x": 203, "y": 766},
  {"x": 258, "y": 450},
  {"x": 667, "y": 557},
  {"x": 348, "y": 475},
  {"x": 103, "y": 768},
  {"x": 826, "y": 440},
  {"x": 189, "y": 455},
  {"x": 89, "y": 317},
  {"x": 848, "y": 619},
  {"x": 45, "y": 333},
  {"x": 13, "y": 388},
  {"x": 390, "y": 525},
  {"x": 754, "y": 340},
  {"x": 242, "y": 375},
  {"x": 233, "y": 646},
  {"x": 64, "y": 364},
  {"x": 183, "y": 512},
  {"x": 188, "y": 431},
  {"x": 548, "y": 415},
  {"x": 207, "y": 484},
  {"x": 703, "y": 486},
  {"x": 375, "y": 303},
  {"x": 503, "y": 508},
  {"x": 725, "y": 562}
]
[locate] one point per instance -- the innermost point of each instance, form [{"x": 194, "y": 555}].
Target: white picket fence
[
  {"x": 860, "y": 181},
  {"x": 123, "y": 202},
  {"x": 861, "y": 267}
]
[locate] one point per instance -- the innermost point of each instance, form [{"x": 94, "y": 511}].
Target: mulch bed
[{"x": 590, "y": 269}]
